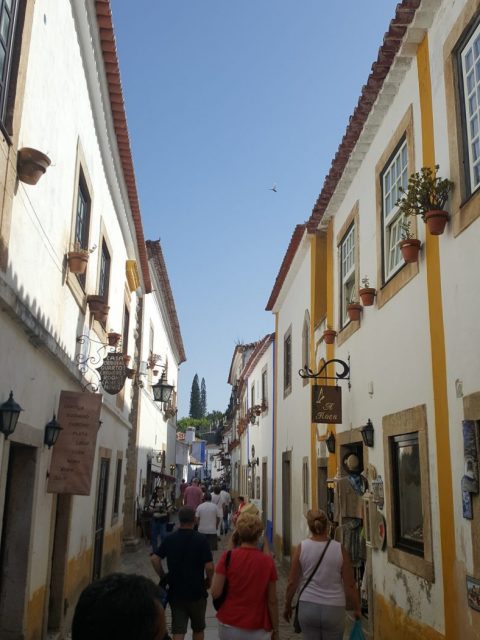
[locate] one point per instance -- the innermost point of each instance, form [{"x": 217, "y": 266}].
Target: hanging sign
[
  {"x": 74, "y": 452},
  {"x": 113, "y": 373},
  {"x": 326, "y": 404}
]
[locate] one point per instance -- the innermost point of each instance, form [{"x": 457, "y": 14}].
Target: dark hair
[
  {"x": 186, "y": 515},
  {"x": 216, "y": 490},
  {"x": 224, "y": 487},
  {"x": 207, "y": 497},
  {"x": 121, "y": 606},
  {"x": 241, "y": 498}
]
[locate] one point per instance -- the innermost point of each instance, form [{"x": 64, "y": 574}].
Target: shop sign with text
[{"x": 326, "y": 404}]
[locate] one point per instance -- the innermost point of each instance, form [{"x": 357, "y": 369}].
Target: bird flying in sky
[{"x": 274, "y": 188}]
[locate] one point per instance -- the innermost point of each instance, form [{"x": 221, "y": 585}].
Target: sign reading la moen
[
  {"x": 113, "y": 373},
  {"x": 326, "y": 404},
  {"x": 74, "y": 452}
]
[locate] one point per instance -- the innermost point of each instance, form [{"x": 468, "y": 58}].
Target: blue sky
[{"x": 225, "y": 98}]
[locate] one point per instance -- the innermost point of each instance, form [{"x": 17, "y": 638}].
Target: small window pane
[
  {"x": 470, "y": 61},
  {"x": 395, "y": 176},
  {"x": 2, "y": 61},
  {"x": 4, "y": 25},
  {"x": 8, "y": 4}
]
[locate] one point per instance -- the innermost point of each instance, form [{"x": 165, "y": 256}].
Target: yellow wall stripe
[{"x": 439, "y": 371}]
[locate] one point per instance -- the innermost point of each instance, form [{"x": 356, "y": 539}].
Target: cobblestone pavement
[{"x": 138, "y": 561}]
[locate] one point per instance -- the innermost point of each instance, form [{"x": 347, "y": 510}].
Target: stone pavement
[{"x": 138, "y": 561}]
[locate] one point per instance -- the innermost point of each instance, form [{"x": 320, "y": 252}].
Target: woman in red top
[{"x": 250, "y": 610}]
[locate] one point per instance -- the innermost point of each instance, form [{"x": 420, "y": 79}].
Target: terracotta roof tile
[
  {"x": 392, "y": 40},
  {"x": 109, "y": 51}
]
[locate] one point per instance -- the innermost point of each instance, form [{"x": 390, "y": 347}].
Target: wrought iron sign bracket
[{"x": 342, "y": 374}]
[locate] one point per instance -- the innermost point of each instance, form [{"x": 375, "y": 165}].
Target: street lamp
[
  {"x": 162, "y": 390},
  {"x": 9, "y": 414},
  {"x": 52, "y": 431},
  {"x": 367, "y": 433},
  {"x": 330, "y": 442}
]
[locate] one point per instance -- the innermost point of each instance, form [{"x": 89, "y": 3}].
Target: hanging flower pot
[
  {"x": 113, "y": 338},
  {"x": 130, "y": 373},
  {"x": 126, "y": 359},
  {"x": 354, "y": 311},
  {"x": 31, "y": 165},
  {"x": 436, "y": 221},
  {"x": 329, "y": 336},
  {"x": 410, "y": 248},
  {"x": 77, "y": 261},
  {"x": 367, "y": 296},
  {"x": 155, "y": 372},
  {"x": 98, "y": 308}
]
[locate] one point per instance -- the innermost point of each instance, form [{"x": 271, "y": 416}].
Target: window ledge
[
  {"x": 412, "y": 563},
  {"x": 77, "y": 291},
  {"x": 466, "y": 213},
  {"x": 397, "y": 282},
  {"x": 348, "y": 330}
]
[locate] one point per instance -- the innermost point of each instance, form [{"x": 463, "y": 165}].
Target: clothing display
[{"x": 348, "y": 504}]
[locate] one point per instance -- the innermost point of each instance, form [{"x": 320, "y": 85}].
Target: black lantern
[
  {"x": 162, "y": 390},
  {"x": 330, "y": 442},
  {"x": 9, "y": 413},
  {"x": 52, "y": 431},
  {"x": 367, "y": 433}
]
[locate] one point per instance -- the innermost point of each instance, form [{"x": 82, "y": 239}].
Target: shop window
[
  {"x": 118, "y": 482},
  {"x": 407, "y": 493},
  {"x": 394, "y": 176}
]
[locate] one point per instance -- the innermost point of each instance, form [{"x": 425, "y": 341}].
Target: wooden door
[{"x": 100, "y": 517}]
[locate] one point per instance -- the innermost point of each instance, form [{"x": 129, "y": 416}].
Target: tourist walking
[
  {"x": 225, "y": 502},
  {"x": 190, "y": 571},
  {"x": 207, "y": 520},
  {"x": 250, "y": 610},
  {"x": 322, "y": 571},
  {"x": 193, "y": 495},
  {"x": 160, "y": 509}
]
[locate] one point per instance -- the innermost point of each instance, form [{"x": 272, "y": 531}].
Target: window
[
  {"x": 347, "y": 273},
  {"x": 104, "y": 281},
  {"x": 264, "y": 389},
  {"x": 116, "y": 498},
  {"x": 470, "y": 98},
  {"x": 287, "y": 363},
  {"x": 126, "y": 329},
  {"x": 407, "y": 493},
  {"x": 252, "y": 395},
  {"x": 7, "y": 28},
  {"x": 82, "y": 220},
  {"x": 394, "y": 175},
  {"x": 305, "y": 485}
]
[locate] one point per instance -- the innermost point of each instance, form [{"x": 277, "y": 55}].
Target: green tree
[
  {"x": 195, "y": 400},
  {"x": 203, "y": 398}
]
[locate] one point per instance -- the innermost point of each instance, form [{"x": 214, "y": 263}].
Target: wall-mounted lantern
[
  {"x": 367, "y": 433},
  {"x": 52, "y": 431},
  {"x": 162, "y": 390},
  {"x": 9, "y": 414},
  {"x": 330, "y": 442}
]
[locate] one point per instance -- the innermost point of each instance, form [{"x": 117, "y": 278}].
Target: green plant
[
  {"x": 426, "y": 191},
  {"x": 406, "y": 227}
]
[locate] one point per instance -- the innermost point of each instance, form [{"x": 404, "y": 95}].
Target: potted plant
[
  {"x": 98, "y": 308},
  {"x": 113, "y": 338},
  {"x": 354, "y": 310},
  {"x": 425, "y": 196},
  {"x": 367, "y": 293},
  {"x": 78, "y": 259},
  {"x": 31, "y": 165},
  {"x": 329, "y": 335},
  {"x": 409, "y": 246},
  {"x": 130, "y": 373}
]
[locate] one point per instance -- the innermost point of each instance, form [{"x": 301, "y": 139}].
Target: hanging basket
[
  {"x": 329, "y": 336},
  {"x": 436, "y": 221},
  {"x": 31, "y": 165},
  {"x": 410, "y": 249}
]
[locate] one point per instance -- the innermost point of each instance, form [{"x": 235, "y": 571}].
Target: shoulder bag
[
  {"x": 217, "y": 602},
  {"x": 296, "y": 624}
]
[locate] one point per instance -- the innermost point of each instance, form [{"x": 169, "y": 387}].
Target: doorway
[
  {"x": 15, "y": 542},
  {"x": 59, "y": 561},
  {"x": 322, "y": 498},
  {"x": 286, "y": 503},
  {"x": 100, "y": 517},
  {"x": 264, "y": 493}
]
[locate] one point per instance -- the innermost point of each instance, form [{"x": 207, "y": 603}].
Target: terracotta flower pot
[
  {"x": 98, "y": 308},
  {"x": 77, "y": 261},
  {"x": 31, "y": 165},
  {"x": 436, "y": 221},
  {"x": 354, "y": 311},
  {"x": 410, "y": 249},
  {"x": 113, "y": 338},
  {"x": 367, "y": 295},
  {"x": 126, "y": 359},
  {"x": 329, "y": 336},
  {"x": 258, "y": 412},
  {"x": 155, "y": 372}
]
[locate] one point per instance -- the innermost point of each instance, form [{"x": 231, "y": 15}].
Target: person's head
[
  {"x": 121, "y": 606},
  {"x": 216, "y": 490},
  {"x": 186, "y": 517},
  {"x": 157, "y": 491},
  {"x": 183, "y": 479},
  {"x": 252, "y": 508},
  {"x": 241, "y": 499},
  {"x": 317, "y": 521},
  {"x": 249, "y": 528},
  {"x": 196, "y": 481},
  {"x": 207, "y": 497}
]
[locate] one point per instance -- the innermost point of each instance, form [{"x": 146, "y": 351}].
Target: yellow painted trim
[
  {"x": 439, "y": 369},
  {"x": 311, "y": 355},
  {"x": 131, "y": 272},
  {"x": 332, "y": 460}
]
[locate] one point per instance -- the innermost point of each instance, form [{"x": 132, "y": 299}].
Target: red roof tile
[{"x": 107, "y": 38}]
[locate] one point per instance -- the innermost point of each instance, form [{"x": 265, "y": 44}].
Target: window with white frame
[
  {"x": 264, "y": 389},
  {"x": 394, "y": 176},
  {"x": 470, "y": 78},
  {"x": 347, "y": 272}
]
